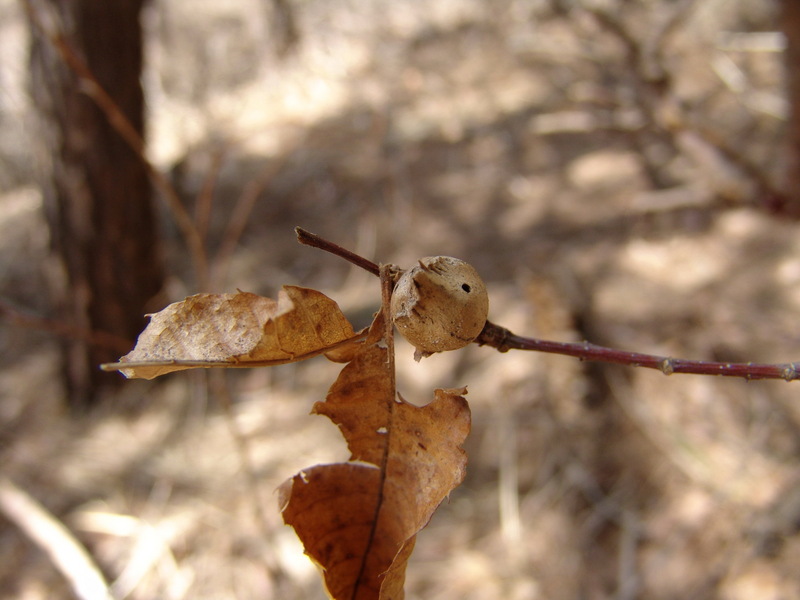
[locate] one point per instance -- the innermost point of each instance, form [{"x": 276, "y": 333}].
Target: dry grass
[{"x": 514, "y": 135}]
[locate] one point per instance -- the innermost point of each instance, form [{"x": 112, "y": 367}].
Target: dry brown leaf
[
  {"x": 241, "y": 330},
  {"x": 358, "y": 520}
]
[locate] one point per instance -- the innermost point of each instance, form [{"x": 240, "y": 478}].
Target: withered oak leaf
[
  {"x": 238, "y": 330},
  {"x": 358, "y": 520}
]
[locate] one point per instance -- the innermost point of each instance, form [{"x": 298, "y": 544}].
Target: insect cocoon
[{"x": 440, "y": 304}]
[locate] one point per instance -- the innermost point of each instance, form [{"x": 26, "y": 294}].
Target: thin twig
[
  {"x": 655, "y": 91},
  {"x": 205, "y": 198},
  {"x": 99, "y": 339},
  {"x": 240, "y": 218},
  {"x": 310, "y": 239},
  {"x": 122, "y": 125},
  {"x": 49, "y": 534},
  {"x": 504, "y": 340},
  {"x": 218, "y": 383}
]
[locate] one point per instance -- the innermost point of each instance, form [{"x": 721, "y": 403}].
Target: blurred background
[{"x": 619, "y": 171}]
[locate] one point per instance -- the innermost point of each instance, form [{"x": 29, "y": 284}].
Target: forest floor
[{"x": 595, "y": 172}]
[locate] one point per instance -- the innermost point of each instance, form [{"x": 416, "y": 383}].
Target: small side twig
[
  {"x": 504, "y": 340},
  {"x": 310, "y": 239}
]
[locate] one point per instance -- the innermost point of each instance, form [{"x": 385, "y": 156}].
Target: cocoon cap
[{"x": 440, "y": 304}]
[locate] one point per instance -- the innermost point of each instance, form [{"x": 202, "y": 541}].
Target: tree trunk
[{"x": 98, "y": 196}]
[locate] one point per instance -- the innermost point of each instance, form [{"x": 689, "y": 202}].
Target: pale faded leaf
[{"x": 240, "y": 330}]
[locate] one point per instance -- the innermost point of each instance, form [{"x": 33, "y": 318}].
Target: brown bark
[{"x": 97, "y": 196}]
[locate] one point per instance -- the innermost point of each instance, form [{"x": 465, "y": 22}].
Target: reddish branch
[{"x": 504, "y": 340}]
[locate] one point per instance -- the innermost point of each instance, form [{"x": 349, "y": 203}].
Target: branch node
[
  {"x": 667, "y": 366},
  {"x": 790, "y": 372},
  {"x": 494, "y": 336}
]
